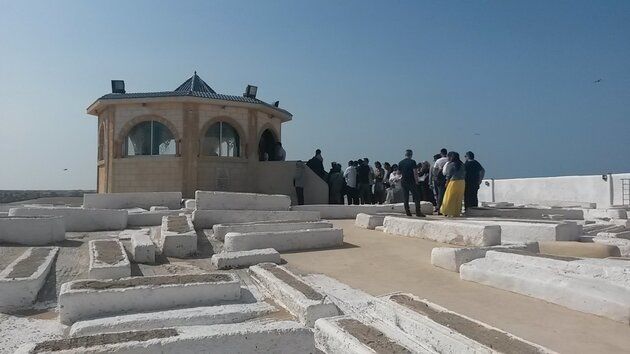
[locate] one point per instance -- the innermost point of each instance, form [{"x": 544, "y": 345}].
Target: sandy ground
[
  {"x": 371, "y": 261},
  {"x": 378, "y": 264}
]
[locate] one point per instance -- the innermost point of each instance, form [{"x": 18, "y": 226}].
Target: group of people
[{"x": 446, "y": 184}]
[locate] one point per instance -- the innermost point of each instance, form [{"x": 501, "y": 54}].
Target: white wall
[{"x": 564, "y": 188}]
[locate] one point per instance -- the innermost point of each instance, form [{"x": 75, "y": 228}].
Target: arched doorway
[{"x": 267, "y": 146}]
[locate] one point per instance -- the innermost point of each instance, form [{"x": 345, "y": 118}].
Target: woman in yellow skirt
[{"x": 455, "y": 184}]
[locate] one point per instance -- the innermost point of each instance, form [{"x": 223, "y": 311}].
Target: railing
[{"x": 625, "y": 191}]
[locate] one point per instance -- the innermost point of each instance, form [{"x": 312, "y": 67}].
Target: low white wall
[
  {"x": 144, "y": 200},
  {"x": 32, "y": 230},
  {"x": 79, "y": 219},
  {"x": 590, "y": 188}
]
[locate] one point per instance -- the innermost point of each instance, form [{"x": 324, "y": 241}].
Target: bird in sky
[
  {"x": 597, "y": 81},
  {"x": 65, "y": 169}
]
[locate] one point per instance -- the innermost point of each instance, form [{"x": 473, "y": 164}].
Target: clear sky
[{"x": 512, "y": 81}]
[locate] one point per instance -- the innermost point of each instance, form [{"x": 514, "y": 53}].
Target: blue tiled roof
[{"x": 193, "y": 87}]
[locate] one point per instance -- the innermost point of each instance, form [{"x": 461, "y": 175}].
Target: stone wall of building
[{"x": 147, "y": 174}]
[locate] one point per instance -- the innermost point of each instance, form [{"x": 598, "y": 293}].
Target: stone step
[
  {"x": 220, "y": 230},
  {"x": 241, "y": 201},
  {"x": 195, "y": 316},
  {"x": 445, "y": 231},
  {"x": 243, "y": 259},
  {"x": 247, "y": 337},
  {"x": 108, "y": 260},
  {"x": 32, "y": 230},
  {"x": 22, "y": 279},
  {"x": 293, "y": 293},
  {"x": 88, "y": 299},
  {"x": 283, "y": 241},
  {"x": 79, "y": 219},
  {"x": 558, "y": 280},
  {"x": 205, "y": 219}
]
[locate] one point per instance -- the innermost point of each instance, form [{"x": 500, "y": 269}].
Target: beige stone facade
[{"x": 128, "y": 165}]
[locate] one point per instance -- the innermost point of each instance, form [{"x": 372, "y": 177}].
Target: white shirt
[
  {"x": 350, "y": 174},
  {"x": 439, "y": 165}
]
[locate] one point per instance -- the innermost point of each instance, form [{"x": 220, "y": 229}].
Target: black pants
[
  {"x": 300, "y": 195},
  {"x": 352, "y": 195},
  {"x": 440, "y": 189},
  {"x": 411, "y": 187},
  {"x": 470, "y": 195},
  {"x": 364, "y": 193}
]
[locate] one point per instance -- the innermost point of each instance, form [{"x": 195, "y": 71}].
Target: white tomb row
[
  {"x": 108, "y": 260},
  {"x": 21, "y": 281},
  {"x": 341, "y": 211},
  {"x": 445, "y": 231},
  {"x": 247, "y": 337},
  {"x": 292, "y": 293},
  {"x": 452, "y": 258},
  {"x": 421, "y": 322},
  {"x": 144, "y": 200},
  {"x": 32, "y": 230},
  {"x": 522, "y": 231},
  {"x": 214, "y": 200},
  {"x": 79, "y": 219},
  {"x": 206, "y": 219},
  {"x": 194, "y": 316},
  {"x": 283, "y": 241},
  {"x": 602, "y": 290},
  {"x": 525, "y": 213},
  {"x": 88, "y": 299},
  {"x": 220, "y": 230}
]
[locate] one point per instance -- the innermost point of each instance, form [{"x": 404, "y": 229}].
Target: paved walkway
[{"x": 379, "y": 263}]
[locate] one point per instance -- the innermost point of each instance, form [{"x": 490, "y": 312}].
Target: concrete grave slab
[
  {"x": 32, "y": 230},
  {"x": 205, "y": 219},
  {"x": 452, "y": 258},
  {"x": 195, "y": 316},
  {"x": 21, "y": 280},
  {"x": 220, "y": 230},
  {"x": 108, "y": 260},
  {"x": 345, "y": 334},
  {"x": 144, "y": 200},
  {"x": 243, "y": 259},
  {"x": 176, "y": 237},
  {"x": 522, "y": 231},
  {"x": 524, "y": 213},
  {"x": 248, "y": 337},
  {"x": 128, "y": 233},
  {"x": 293, "y": 293},
  {"x": 609, "y": 213},
  {"x": 190, "y": 204},
  {"x": 370, "y": 221},
  {"x": 150, "y": 218},
  {"x": 621, "y": 234},
  {"x": 158, "y": 208},
  {"x": 79, "y": 219},
  {"x": 88, "y": 299},
  {"x": 446, "y": 231},
  {"x": 283, "y": 241},
  {"x": 142, "y": 248},
  {"x": 577, "y": 286},
  {"x": 214, "y": 200}
]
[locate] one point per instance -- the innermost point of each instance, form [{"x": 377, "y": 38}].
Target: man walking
[
  {"x": 474, "y": 176},
  {"x": 409, "y": 171}
]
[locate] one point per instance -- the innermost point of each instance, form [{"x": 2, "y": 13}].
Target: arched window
[
  {"x": 150, "y": 138},
  {"x": 221, "y": 139}
]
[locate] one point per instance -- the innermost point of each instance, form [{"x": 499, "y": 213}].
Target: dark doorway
[{"x": 267, "y": 145}]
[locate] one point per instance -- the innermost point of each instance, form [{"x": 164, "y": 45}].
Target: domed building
[{"x": 191, "y": 138}]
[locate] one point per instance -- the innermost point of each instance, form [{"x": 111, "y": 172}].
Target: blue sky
[{"x": 511, "y": 80}]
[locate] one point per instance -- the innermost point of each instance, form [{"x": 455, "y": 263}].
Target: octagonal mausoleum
[{"x": 188, "y": 139}]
